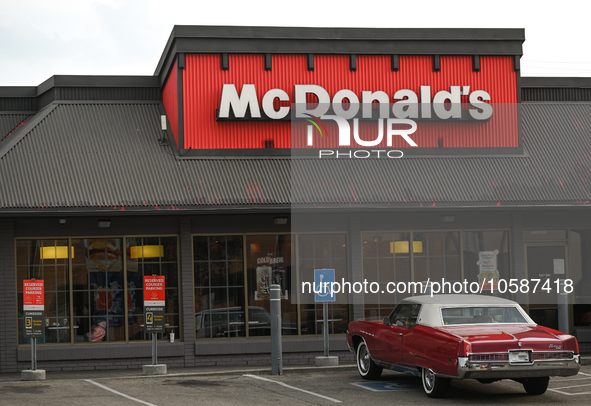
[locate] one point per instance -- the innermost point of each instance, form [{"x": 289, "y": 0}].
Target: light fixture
[
  {"x": 62, "y": 221},
  {"x": 146, "y": 251},
  {"x": 448, "y": 218},
  {"x": 105, "y": 223},
  {"x": 55, "y": 252},
  {"x": 280, "y": 220},
  {"x": 401, "y": 247}
]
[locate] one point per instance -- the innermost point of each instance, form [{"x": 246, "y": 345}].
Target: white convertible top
[
  {"x": 461, "y": 300},
  {"x": 430, "y": 314}
]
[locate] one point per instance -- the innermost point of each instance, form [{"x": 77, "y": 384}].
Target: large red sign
[
  {"x": 204, "y": 81},
  {"x": 33, "y": 294},
  {"x": 154, "y": 293}
]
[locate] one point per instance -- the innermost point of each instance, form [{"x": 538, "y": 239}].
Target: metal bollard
[
  {"x": 562, "y": 307},
  {"x": 276, "y": 351}
]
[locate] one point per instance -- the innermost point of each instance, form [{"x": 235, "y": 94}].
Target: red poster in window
[
  {"x": 104, "y": 299},
  {"x": 33, "y": 294},
  {"x": 154, "y": 291}
]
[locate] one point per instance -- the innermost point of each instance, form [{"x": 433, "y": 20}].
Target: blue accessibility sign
[
  {"x": 324, "y": 280},
  {"x": 388, "y": 386}
]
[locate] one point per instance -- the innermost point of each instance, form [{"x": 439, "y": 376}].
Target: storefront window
[
  {"x": 580, "y": 273},
  {"x": 486, "y": 256},
  {"x": 98, "y": 280},
  {"x": 436, "y": 256},
  {"x": 228, "y": 305},
  {"x": 105, "y": 301},
  {"x": 47, "y": 260},
  {"x": 219, "y": 286},
  {"x": 148, "y": 256},
  {"x": 386, "y": 258},
  {"x": 269, "y": 261},
  {"x": 323, "y": 251}
]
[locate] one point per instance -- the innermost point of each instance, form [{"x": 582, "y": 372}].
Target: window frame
[{"x": 70, "y": 293}]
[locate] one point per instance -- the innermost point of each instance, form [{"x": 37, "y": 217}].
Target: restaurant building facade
[{"x": 204, "y": 173}]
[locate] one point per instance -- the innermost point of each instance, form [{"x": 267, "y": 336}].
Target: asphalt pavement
[{"x": 256, "y": 386}]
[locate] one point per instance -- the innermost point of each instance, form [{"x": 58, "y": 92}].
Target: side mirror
[{"x": 387, "y": 321}]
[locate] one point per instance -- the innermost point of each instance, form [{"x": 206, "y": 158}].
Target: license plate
[{"x": 519, "y": 356}]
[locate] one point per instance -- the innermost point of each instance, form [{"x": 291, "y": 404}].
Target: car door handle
[{"x": 400, "y": 335}]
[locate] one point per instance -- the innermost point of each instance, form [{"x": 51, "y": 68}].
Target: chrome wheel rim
[
  {"x": 429, "y": 379},
  {"x": 363, "y": 359}
]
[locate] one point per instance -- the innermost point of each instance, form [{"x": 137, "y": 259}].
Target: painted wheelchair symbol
[
  {"x": 401, "y": 386},
  {"x": 388, "y": 386},
  {"x": 326, "y": 290}
]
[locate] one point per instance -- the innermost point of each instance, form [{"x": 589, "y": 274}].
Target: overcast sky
[{"x": 42, "y": 38}]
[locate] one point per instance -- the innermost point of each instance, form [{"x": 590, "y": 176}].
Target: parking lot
[{"x": 311, "y": 386}]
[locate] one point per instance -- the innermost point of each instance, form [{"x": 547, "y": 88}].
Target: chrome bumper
[{"x": 505, "y": 370}]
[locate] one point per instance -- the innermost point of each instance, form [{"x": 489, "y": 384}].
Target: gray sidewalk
[
  {"x": 202, "y": 370},
  {"x": 137, "y": 372}
]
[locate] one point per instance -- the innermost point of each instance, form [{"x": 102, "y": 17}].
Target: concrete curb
[
  {"x": 37, "y": 375},
  {"x": 266, "y": 370}
]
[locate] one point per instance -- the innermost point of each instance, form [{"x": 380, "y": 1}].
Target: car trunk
[{"x": 505, "y": 337}]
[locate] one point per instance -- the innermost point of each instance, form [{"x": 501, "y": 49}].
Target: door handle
[{"x": 399, "y": 335}]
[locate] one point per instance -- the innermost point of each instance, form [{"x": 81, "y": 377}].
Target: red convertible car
[{"x": 447, "y": 337}]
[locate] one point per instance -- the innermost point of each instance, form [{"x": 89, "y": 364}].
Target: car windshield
[{"x": 482, "y": 315}]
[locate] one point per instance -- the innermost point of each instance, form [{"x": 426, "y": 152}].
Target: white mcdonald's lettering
[
  {"x": 445, "y": 104},
  {"x": 239, "y": 104}
]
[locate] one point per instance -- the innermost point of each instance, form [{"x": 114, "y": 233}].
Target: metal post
[
  {"x": 325, "y": 318},
  {"x": 154, "y": 349},
  {"x": 34, "y": 354},
  {"x": 562, "y": 307},
  {"x": 276, "y": 351}
]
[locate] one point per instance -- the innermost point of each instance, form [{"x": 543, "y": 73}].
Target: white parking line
[
  {"x": 118, "y": 393},
  {"x": 574, "y": 386},
  {"x": 569, "y": 394},
  {"x": 570, "y": 380},
  {"x": 561, "y": 389},
  {"x": 293, "y": 387}
]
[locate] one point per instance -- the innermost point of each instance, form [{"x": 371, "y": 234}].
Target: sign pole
[
  {"x": 324, "y": 280},
  {"x": 33, "y": 354},
  {"x": 154, "y": 312},
  {"x": 154, "y": 349},
  {"x": 34, "y": 323},
  {"x": 325, "y": 317}
]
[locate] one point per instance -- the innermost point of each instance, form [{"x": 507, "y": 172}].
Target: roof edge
[
  {"x": 18, "y": 91},
  {"x": 97, "y": 81},
  {"x": 323, "y": 40},
  {"x": 556, "y": 82}
]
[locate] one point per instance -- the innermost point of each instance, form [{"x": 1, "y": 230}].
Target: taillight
[
  {"x": 489, "y": 357},
  {"x": 551, "y": 355}
]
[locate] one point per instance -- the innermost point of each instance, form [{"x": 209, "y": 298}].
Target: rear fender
[{"x": 422, "y": 362}]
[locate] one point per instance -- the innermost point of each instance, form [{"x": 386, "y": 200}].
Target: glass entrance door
[{"x": 545, "y": 262}]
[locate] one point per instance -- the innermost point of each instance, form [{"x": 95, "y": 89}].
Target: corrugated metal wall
[
  {"x": 18, "y": 104},
  {"x": 171, "y": 102},
  {"x": 203, "y": 80}
]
